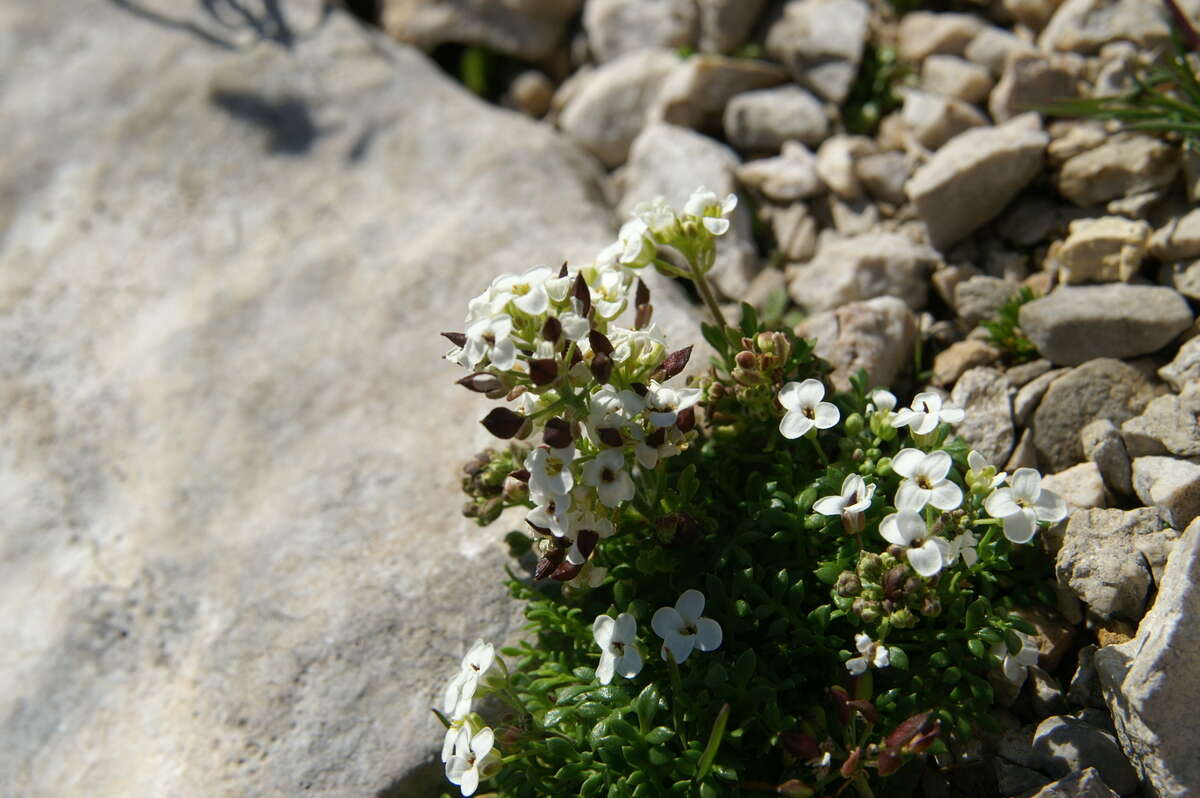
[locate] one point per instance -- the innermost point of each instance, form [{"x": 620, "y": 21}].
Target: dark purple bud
[
  {"x": 685, "y": 419},
  {"x": 850, "y": 766},
  {"x": 541, "y": 530},
  {"x": 458, "y": 339},
  {"x": 549, "y": 563},
  {"x": 639, "y": 388},
  {"x": 888, "y": 762},
  {"x": 642, "y": 296},
  {"x": 920, "y": 744},
  {"x": 563, "y": 271},
  {"x": 800, "y": 745},
  {"x": 657, "y": 438},
  {"x": 576, "y": 357},
  {"x": 865, "y": 708},
  {"x": 910, "y": 728},
  {"x": 610, "y": 437},
  {"x": 583, "y": 295},
  {"x": 503, "y": 423},
  {"x": 557, "y": 434},
  {"x": 642, "y": 316},
  {"x": 602, "y": 367},
  {"x": 674, "y": 363},
  {"x": 543, "y": 371},
  {"x": 747, "y": 343},
  {"x": 586, "y": 541},
  {"x": 841, "y": 703},
  {"x": 746, "y": 360},
  {"x": 600, "y": 343},
  {"x": 552, "y": 329},
  {"x": 521, "y": 474},
  {"x": 893, "y": 582},
  {"x": 566, "y": 572},
  {"x": 481, "y": 382}
]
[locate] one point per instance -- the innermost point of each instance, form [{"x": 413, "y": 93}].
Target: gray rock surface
[
  {"x": 836, "y": 158},
  {"x": 1074, "y": 324},
  {"x": 1168, "y": 425},
  {"x": 1084, "y": 688},
  {"x": 1185, "y": 367},
  {"x": 1084, "y": 26},
  {"x": 876, "y": 335},
  {"x": 970, "y": 180},
  {"x": 1080, "y": 486},
  {"x": 1178, "y": 239},
  {"x": 725, "y": 24},
  {"x": 862, "y": 267},
  {"x": 1086, "y": 783},
  {"x": 672, "y": 162},
  {"x": 697, "y": 91},
  {"x": 986, "y": 395},
  {"x": 610, "y": 107},
  {"x": 790, "y": 176},
  {"x": 1169, "y": 484},
  {"x": 1067, "y": 745},
  {"x": 1124, "y": 164},
  {"x": 528, "y": 29},
  {"x": 1100, "y": 563},
  {"x": 821, "y": 43},
  {"x": 1030, "y": 395},
  {"x": 1101, "y": 388},
  {"x": 992, "y": 48},
  {"x": 1031, "y": 80},
  {"x": 1100, "y": 250},
  {"x": 979, "y": 297},
  {"x": 955, "y": 77},
  {"x": 764, "y": 119},
  {"x": 925, "y": 33},
  {"x": 1103, "y": 445},
  {"x": 883, "y": 175},
  {"x": 1183, "y": 276},
  {"x": 795, "y": 230},
  {"x": 1152, "y": 683},
  {"x": 230, "y": 461},
  {"x": 617, "y": 27},
  {"x": 953, "y": 361},
  {"x": 934, "y": 119}
]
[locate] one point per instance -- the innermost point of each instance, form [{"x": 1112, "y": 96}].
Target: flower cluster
[{"x": 468, "y": 749}]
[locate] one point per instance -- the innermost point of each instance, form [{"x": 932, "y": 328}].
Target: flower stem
[
  {"x": 812, "y": 436},
  {"x": 706, "y": 293}
]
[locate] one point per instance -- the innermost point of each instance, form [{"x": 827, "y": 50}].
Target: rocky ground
[{"x": 230, "y": 559}]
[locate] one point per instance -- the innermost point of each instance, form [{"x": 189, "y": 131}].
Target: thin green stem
[{"x": 706, "y": 293}]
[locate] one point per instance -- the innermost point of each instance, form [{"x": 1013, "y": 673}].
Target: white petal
[
  {"x": 534, "y": 303},
  {"x": 708, "y": 634},
  {"x": 714, "y": 225},
  {"x": 926, "y": 559},
  {"x": 690, "y": 605},
  {"x": 883, "y": 400},
  {"x": 470, "y": 782},
  {"x": 602, "y": 629},
  {"x": 951, "y": 415},
  {"x": 1000, "y": 503},
  {"x": 810, "y": 392},
  {"x": 911, "y": 498},
  {"x": 862, "y": 642},
  {"x": 935, "y": 466},
  {"x": 625, "y": 629},
  {"x": 504, "y": 354},
  {"x": 924, "y": 423},
  {"x": 826, "y": 415},
  {"x": 728, "y": 204},
  {"x": 882, "y": 657},
  {"x": 604, "y": 671},
  {"x": 679, "y": 645},
  {"x": 1020, "y": 526},
  {"x": 902, "y": 528},
  {"x": 903, "y": 417},
  {"x": 482, "y": 743},
  {"x": 662, "y": 419},
  {"x": 829, "y": 505},
  {"x": 789, "y": 395},
  {"x": 946, "y": 496},
  {"x": 907, "y": 461},
  {"x": 857, "y": 666},
  {"x": 975, "y": 461},
  {"x": 927, "y": 402},
  {"x": 629, "y": 663},
  {"x": 1049, "y": 506},
  {"x": 450, "y": 741},
  {"x": 794, "y": 424},
  {"x": 1025, "y": 483},
  {"x": 666, "y": 621}
]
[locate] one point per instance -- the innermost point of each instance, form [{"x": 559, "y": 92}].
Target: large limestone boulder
[{"x": 230, "y": 557}]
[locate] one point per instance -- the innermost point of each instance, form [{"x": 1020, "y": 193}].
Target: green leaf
[
  {"x": 646, "y": 705},
  {"x": 715, "y": 337},
  {"x": 659, "y": 735},
  {"x": 749, "y": 320},
  {"x": 828, "y": 571},
  {"x": 976, "y": 647},
  {"x": 743, "y": 669},
  {"x": 714, "y": 742},
  {"x": 592, "y": 785},
  {"x": 560, "y": 749},
  {"x": 898, "y": 658}
]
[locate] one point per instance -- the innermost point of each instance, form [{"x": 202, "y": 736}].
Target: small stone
[
  {"x": 671, "y": 162},
  {"x": 924, "y": 33},
  {"x": 531, "y": 93},
  {"x": 1072, "y": 325},
  {"x": 1168, "y": 425},
  {"x": 1191, "y": 173},
  {"x": 947, "y": 279},
  {"x": 835, "y": 163},
  {"x": 1169, "y": 484},
  {"x": 951, "y": 363},
  {"x": 698, "y": 90},
  {"x": 789, "y": 176},
  {"x": 1085, "y": 784},
  {"x": 863, "y": 267},
  {"x": 1024, "y": 453},
  {"x": 1101, "y": 388},
  {"x": 617, "y": 27},
  {"x": 883, "y": 175},
  {"x": 992, "y": 48},
  {"x": 1103, "y": 445},
  {"x": 1030, "y": 395},
  {"x": 1025, "y": 373},
  {"x": 1127, "y": 163},
  {"x": 821, "y": 43},
  {"x": 876, "y": 335},
  {"x": 934, "y": 119},
  {"x": 1046, "y": 694},
  {"x": 1081, "y": 486},
  {"x": 764, "y": 119},
  {"x": 986, "y": 396},
  {"x": 1152, "y": 683},
  {"x": 852, "y": 217},
  {"x": 609, "y": 109},
  {"x": 1139, "y": 205},
  {"x": 1185, "y": 367},
  {"x": 1084, "y": 689},
  {"x": 1100, "y": 564},
  {"x": 979, "y": 298},
  {"x": 970, "y": 180},
  {"x": 1104, "y": 249},
  {"x": 1179, "y": 239},
  {"x": 1114, "y": 632},
  {"x": 529, "y": 31},
  {"x": 795, "y": 231},
  {"x": 1067, "y": 745},
  {"x": 1016, "y": 746},
  {"x": 1084, "y": 26},
  {"x": 1070, "y": 137},
  {"x": 726, "y": 24},
  {"x": 1183, "y": 276},
  {"x": 1033, "y": 14},
  {"x": 1015, "y": 780},
  {"x": 1034, "y": 219},
  {"x": 954, "y": 77},
  {"x": 1031, "y": 80}
]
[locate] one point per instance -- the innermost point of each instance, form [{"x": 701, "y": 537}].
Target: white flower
[
  {"x": 711, "y": 209},
  {"x": 590, "y": 575},
  {"x": 574, "y": 326},
  {"x": 659, "y": 445},
  {"x": 663, "y": 404},
  {"x": 870, "y": 653},
  {"x": 551, "y": 512},
  {"x": 962, "y": 546},
  {"x": 527, "y": 291},
  {"x": 618, "y": 654},
  {"x": 855, "y": 498},
  {"x": 682, "y": 629},
  {"x": 1024, "y": 504},
  {"x": 608, "y": 294},
  {"x": 925, "y": 413},
  {"x": 456, "y": 700},
  {"x": 473, "y": 760},
  {"x": 612, "y": 409},
  {"x": 637, "y": 247},
  {"x": 907, "y": 529},
  {"x": 645, "y": 347},
  {"x": 607, "y": 474},
  {"x": 655, "y": 214},
  {"x": 805, "y": 410},
  {"x": 925, "y": 480},
  {"x": 490, "y": 338},
  {"x": 1016, "y": 666},
  {"x": 881, "y": 400},
  {"x": 978, "y": 464},
  {"x": 550, "y": 470}
]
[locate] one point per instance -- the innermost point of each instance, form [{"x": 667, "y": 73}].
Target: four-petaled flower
[
  {"x": 925, "y": 480},
  {"x": 978, "y": 466},
  {"x": 473, "y": 759},
  {"x": 925, "y": 413},
  {"x": 805, "y": 410},
  {"x": 607, "y": 474},
  {"x": 1016, "y": 666},
  {"x": 906, "y": 528},
  {"x": 682, "y": 629},
  {"x": 618, "y": 654},
  {"x": 711, "y": 209},
  {"x": 961, "y": 546},
  {"x": 663, "y": 404},
  {"x": 854, "y": 500},
  {"x": 490, "y": 338},
  {"x": 550, "y": 470},
  {"x": 1024, "y": 504},
  {"x": 870, "y": 653},
  {"x": 461, "y": 688}
]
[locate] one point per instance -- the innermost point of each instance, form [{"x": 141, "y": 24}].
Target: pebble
[
  {"x": 934, "y": 119},
  {"x": 1168, "y": 425},
  {"x": 1030, "y": 395},
  {"x": 1124, "y": 164},
  {"x": 955, "y": 77},
  {"x": 1185, "y": 367},
  {"x": 821, "y": 43},
  {"x": 1103, "y": 445},
  {"x": 952, "y": 362},
  {"x": 863, "y": 267},
  {"x": 924, "y": 33},
  {"x": 1100, "y": 250},
  {"x": 789, "y": 176},
  {"x": 762, "y": 120},
  {"x": 617, "y": 27},
  {"x": 698, "y": 90},
  {"x": 1179, "y": 239},
  {"x": 1170, "y": 484},
  {"x": 1032, "y": 80},
  {"x": 876, "y": 335},
  {"x": 986, "y": 395}
]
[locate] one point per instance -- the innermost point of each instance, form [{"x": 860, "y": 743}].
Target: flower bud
[
  {"x": 602, "y": 368},
  {"x": 888, "y": 762},
  {"x": 582, "y": 295},
  {"x": 642, "y": 316},
  {"x": 870, "y": 567},
  {"x": 642, "y": 294},
  {"x": 600, "y": 343},
  {"x": 481, "y": 382},
  {"x": 896, "y": 552},
  {"x": 853, "y": 424},
  {"x": 515, "y": 491},
  {"x": 549, "y": 562},
  {"x": 865, "y": 708},
  {"x": 800, "y": 745},
  {"x": 931, "y": 607},
  {"x": 552, "y": 329},
  {"x": 850, "y": 766},
  {"x": 610, "y": 436},
  {"x": 543, "y": 371},
  {"x": 794, "y": 788},
  {"x": 566, "y": 571},
  {"x": 503, "y": 423},
  {"x": 893, "y": 581},
  {"x": 903, "y": 618},
  {"x": 674, "y": 363},
  {"x": 848, "y": 584},
  {"x": 868, "y": 611},
  {"x": 685, "y": 419},
  {"x": 456, "y": 338},
  {"x": 746, "y": 360},
  {"x": 557, "y": 433}
]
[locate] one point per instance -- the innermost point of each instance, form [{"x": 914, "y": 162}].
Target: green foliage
[
  {"x": 875, "y": 92},
  {"x": 1004, "y": 331}
]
